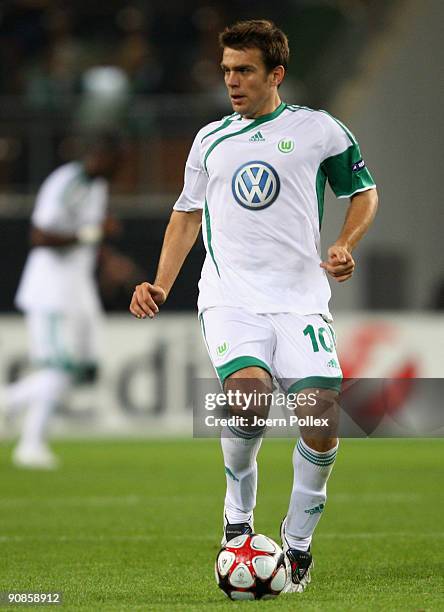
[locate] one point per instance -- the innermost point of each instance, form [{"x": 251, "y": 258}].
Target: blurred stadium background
[{"x": 151, "y": 71}]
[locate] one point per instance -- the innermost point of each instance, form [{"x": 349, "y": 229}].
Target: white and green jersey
[
  {"x": 261, "y": 183},
  {"x": 62, "y": 279}
]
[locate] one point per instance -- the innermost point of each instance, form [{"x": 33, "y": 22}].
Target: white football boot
[{"x": 34, "y": 457}]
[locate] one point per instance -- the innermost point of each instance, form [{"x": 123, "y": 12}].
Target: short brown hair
[{"x": 261, "y": 34}]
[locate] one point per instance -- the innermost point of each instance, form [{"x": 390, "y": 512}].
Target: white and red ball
[{"x": 251, "y": 566}]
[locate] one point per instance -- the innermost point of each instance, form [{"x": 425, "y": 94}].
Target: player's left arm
[{"x": 360, "y": 214}]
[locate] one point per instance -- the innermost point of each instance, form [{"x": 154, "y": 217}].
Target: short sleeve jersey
[
  {"x": 261, "y": 183},
  {"x": 62, "y": 279}
]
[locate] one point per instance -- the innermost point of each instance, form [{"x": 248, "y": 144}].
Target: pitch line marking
[{"x": 150, "y": 538}]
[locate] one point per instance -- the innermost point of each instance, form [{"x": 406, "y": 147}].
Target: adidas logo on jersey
[
  {"x": 333, "y": 364},
  {"x": 257, "y": 137}
]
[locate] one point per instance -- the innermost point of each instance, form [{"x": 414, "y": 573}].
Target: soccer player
[
  {"x": 58, "y": 295},
  {"x": 256, "y": 181}
]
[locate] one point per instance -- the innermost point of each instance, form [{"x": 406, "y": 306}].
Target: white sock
[
  {"x": 18, "y": 394},
  {"x": 49, "y": 391},
  {"x": 311, "y": 472},
  {"x": 241, "y": 471}
]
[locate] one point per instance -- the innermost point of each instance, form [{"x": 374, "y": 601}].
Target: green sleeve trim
[
  {"x": 342, "y": 178},
  {"x": 316, "y": 382},
  {"x": 239, "y": 363},
  {"x": 248, "y": 128},
  {"x": 350, "y": 195},
  {"x": 208, "y": 228}
]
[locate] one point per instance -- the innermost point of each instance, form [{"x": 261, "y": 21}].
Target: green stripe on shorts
[
  {"x": 239, "y": 363},
  {"x": 317, "y": 382}
]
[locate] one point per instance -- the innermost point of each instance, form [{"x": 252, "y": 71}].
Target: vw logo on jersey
[{"x": 255, "y": 185}]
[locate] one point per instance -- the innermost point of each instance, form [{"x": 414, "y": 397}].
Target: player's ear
[{"x": 277, "y": 75}]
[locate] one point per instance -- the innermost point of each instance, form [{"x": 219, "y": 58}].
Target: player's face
[
  {"x": 111, "y": 164},
  {"x": 106, "y": 163},
  {"x": 252, "y": 90}
]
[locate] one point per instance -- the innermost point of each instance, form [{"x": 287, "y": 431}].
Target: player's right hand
[{"x": 146, "y": 300}]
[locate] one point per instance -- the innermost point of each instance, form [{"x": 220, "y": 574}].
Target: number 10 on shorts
[{"x": 323, "y": 337}]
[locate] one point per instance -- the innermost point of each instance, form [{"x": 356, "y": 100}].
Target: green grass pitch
[{"x": 135, "y": 525}]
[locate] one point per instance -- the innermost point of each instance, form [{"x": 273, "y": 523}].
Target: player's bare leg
[{"x": 46, "y": 390}]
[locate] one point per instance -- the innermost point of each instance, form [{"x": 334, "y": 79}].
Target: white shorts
[
  {"x": 69, "y": 341},
  {"x": 298, "y": 350}
]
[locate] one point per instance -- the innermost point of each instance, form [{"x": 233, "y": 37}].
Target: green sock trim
[
  {"x": 316, "y": 454},
  {"x": 318, "y": 463},
  {"x": 240, "y": 433},
  {"x": 322, "y": 461}
]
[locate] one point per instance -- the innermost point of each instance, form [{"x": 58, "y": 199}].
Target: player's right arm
[
  {"x": 39, "y": 237},
  {"x": 88, "y": 234},
  {"x": 180, "y": 236}
]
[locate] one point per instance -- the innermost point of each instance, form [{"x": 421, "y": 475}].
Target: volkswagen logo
[{"x": 255, "y": 185}]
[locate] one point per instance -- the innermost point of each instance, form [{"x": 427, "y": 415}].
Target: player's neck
[{"x": 267, "y": 109}]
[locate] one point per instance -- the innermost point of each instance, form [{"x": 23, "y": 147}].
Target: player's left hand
[{"x": 340, "y": 264}]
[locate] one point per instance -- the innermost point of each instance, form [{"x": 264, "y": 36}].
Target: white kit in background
[{"x": 58, "y": 294}]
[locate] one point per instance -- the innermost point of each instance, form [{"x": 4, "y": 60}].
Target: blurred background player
[
  {"x": 58, "y": 294},
  {"x": 152, "y": 70}
]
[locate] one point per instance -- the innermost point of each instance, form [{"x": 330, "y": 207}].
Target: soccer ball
[{"x": 251, "y": 566}]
